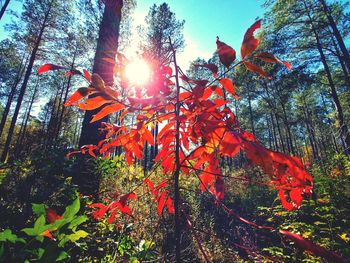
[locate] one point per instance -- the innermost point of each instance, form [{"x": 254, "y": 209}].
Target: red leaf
[
  {"x": 226, "y": 53},
  {"x": 254, "y": 68},
  {"x": 87, "y": 75},
  {"x": 230, "y": 144},
  {"x": 267, "y": 57},
  {"x": 93, "y": 103},
  {"x": 149, "y": 184},
  {"x": 79, "y": 94},
  {"x": 48, "y": 67},
  {"x": 228, "y": 86},
  {"x": 288, "y": 65},
  {"x": 52, "y": 216},
  {"x": 250, "y": 43},
  {"x": 100, "y": 212},
  {"x": 48, "y": 234},
  {"x": 212, "y": 67},
  {"x": 107, "y": 110},
  {"x": 170, "y": 206}
]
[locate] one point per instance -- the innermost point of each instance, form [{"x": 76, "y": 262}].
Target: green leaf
[
  {"x": 7, "y": 235},
  {"x": 39, "y": 209},
  {"x": 73, "y": 237},
  {"x": 39, "y": 227},
  {"x": 78, "y": 235},
  {"x": 77, "y": 221},
  {"x": 63, "y": 255},
  {"x": 72, "y": 209}
]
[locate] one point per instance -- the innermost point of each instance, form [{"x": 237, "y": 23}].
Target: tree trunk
[
  {"x": 22, "y": 134},
  {"x": 107, "y": 46},
  {"x": 59, "y": 124},
  {"x": 343, "y": 66},
  {"x": 24, "y": 86},
  {"x": 274, "y": 133},
  {"x": 11, "y": 95},
  {"x": 251, "y": 112},
  {"x": 289, "y": 133},
  {"x": 3, "y": 8},
  {"x": 336, "y": 33},
  {"x": 340, "y": 115}
]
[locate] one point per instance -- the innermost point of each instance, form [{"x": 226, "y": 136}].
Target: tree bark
[
  {"x": 107, "y": 46},
  {"x": 24, "y": 86},
  {"x": 339, "y": 110},
  {"x": 59, "y": 124},
  {"x": 336, "y": 33},
  {"x": 11, "y": 96},
  {"x": 23, "y": 133},
  {"x": 3, "y": 8}
]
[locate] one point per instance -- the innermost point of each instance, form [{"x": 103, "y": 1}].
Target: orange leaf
[
  {"x": 107, "y": 110},
  {"x": 226, "y": 53},
  {"x": 47, "y": 67},
  {"x": 229, "y": 86},
  {"x": 48, "y": 234},
  {"x": 93, "y": 103},
  {"x": 254, "y": 68},
  {"x": 250, "y": 43},
  {"x": 79, "y": 94},
  {"x": 267, "y": 57},
  {"x": 288, "y": 65},
  {"x": 87, "y": 75}
]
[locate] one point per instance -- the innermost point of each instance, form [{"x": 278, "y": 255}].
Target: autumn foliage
[{"x": 208, "y": 129}]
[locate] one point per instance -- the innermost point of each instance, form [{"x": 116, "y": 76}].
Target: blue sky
[{"x": 205, "y": 19}]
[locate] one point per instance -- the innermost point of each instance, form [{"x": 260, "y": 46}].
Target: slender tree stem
[{"x": 177, "y": 163}]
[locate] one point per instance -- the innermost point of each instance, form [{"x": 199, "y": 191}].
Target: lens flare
[{"x": 138, "y": 72}]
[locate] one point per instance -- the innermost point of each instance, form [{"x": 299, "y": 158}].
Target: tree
[
  {"x": 304, "y": 17},
  {"x": 38, "y": 16},
  {"x": 107, "y": 46},
  {"x": 193, "y": 115},
  {"x": 162, "y": 26},
  {"x": 3, "y": 7}
]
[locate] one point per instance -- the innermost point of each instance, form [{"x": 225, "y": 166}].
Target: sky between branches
[{"x": 205, "y": 19}]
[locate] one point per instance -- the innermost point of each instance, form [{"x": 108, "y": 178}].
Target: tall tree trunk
[
  {"x": 342, "y": 64},
  {"x": 51, "y": 123},
  {"x": 59, "y": 124},
  {"x": 107, "y": 46},
  {"x": 274, "y": 133},
  {"x": 251, "y": 112},
  {"x": 3, "y": 8},
  {"x": 289, "y": 133},
  {"x": 24, "y": 85},
  {"x": 337, "y": 34},
  {"x": 23, "y": 133},
  {"x": 12, "y": 94},
  {"x": 280, "y": 133},
  {"x": 340, "y": 115}
]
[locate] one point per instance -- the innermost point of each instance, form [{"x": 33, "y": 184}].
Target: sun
[{"x": 138, "y": 72}]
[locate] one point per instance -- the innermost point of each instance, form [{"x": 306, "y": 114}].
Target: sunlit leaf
[
  {"x": 250, "y": 43},
  {"x": 226, "y": 53}
]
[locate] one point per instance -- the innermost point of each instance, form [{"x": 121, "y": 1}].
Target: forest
[{"x": 108, "y": 156}]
